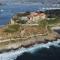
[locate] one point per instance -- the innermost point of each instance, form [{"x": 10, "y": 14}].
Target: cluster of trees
[
  {"x": 53, "y": 13},
  {"x": 18, "y": 20}
]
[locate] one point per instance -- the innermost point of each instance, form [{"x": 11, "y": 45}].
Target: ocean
[{"x": 48, "y": 51}]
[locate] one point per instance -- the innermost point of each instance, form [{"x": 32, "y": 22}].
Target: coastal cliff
[
  {"x": 14, "y": 44},
  {"x": 24, "y": 34}
]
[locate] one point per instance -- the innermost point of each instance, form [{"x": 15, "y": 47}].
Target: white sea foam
[
  {"x": 1, "y": 10},
  {"x": 13, "y": 54}
]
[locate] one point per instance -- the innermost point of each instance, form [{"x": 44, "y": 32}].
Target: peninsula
[{"x": 28, "y": 28}]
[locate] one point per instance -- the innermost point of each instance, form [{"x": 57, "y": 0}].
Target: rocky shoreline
[{"x": 25, "y": 44}]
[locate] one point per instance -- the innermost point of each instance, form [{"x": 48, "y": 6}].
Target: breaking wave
[{"x": 48, "y": 51}]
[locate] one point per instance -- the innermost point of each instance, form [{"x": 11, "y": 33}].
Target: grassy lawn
[{"x": 12, "y": 28}]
